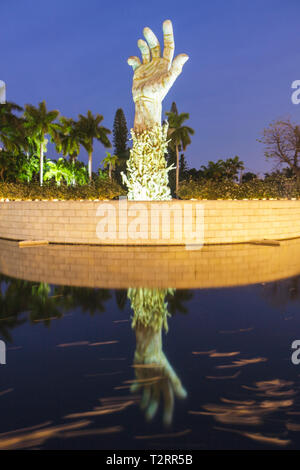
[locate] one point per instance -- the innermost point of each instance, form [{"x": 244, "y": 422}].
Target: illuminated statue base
[{"x": 147, "y": 171}]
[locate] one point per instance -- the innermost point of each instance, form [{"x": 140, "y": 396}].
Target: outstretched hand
[
  {"x": 158, "y": 380},
  {"x": 155, "y": 376},
  {"x": 154, "y": 77}
]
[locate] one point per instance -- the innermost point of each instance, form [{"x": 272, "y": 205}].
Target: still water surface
[{"x": 147, "y": 368}]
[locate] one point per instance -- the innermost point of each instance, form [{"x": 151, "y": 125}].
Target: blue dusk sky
[{"x": 244, "y": 56}]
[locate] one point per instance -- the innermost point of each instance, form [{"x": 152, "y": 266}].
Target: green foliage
[
  {"x": 89, "y": 128},
  {"x": 120, "y": 143},
  {"x": 67, "y": 139},
  {"x": 98, "y": 189},
  {"x": 179, "y": 139},
  {"x": 18, "y": 167},
  {"x": 120, "y": 133},
  {"x": 222, "y": 169},
  {"x": 12, "y": 133},
  {"x": 249, "y": 176},
  {"x": 70, "y": 172},
  {"x": 269, "y": 188},
  {"x": 25, "y": 138},
  {"x": 178, "y": 134},
  {"x": 38, "y": 123},
  {"x": 110, "y": 162}
]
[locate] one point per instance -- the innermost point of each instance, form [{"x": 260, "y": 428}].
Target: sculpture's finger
[
  {"x": 145, "y": 398},
  {"x": 178, "y": 63},
  {"x": 134, "y": 62},
  {"x": 151, "y": 410},
  {"x": 175, "y": 71},
  {"x": 152, "y": 41},
  {"x": 135, "y": 387},
  {"x": 169, "y": 404},
  {"x": 144, "y": 48},
  {"x": 153, "y": 403},
  {"x": 179, "y": 390},
  {"x": 169, "y": 44}
]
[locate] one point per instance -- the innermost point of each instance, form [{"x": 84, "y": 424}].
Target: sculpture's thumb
[{"x": 178, "y": 63}]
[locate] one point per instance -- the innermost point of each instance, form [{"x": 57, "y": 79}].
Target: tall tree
[
  {"x": 282, "y": 144},
  {"x": 89, "y": 128},
  {"x": 120, "y": 142},
  {"x": 110, "y": 161},
  {"x": 68, "y": 141},
  {"x": 179, "y": 136},
  {"x": 120, "y": 133},
  {"x": 174, "y": 108},
  {"x": 183, "y": 167},
  {"x": 12, "y": 132},
  {"x": 223, "y": 169},
  {"x": 40, "y": 123}
]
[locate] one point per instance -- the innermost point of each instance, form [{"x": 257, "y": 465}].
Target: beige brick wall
[
  {"x": 168, "y": 266},
  {"x": 149, "y": 223}
]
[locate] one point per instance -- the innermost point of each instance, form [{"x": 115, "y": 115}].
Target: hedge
[
  {"x": 280, "y": 188},
  {"x": 102, "y": 189}
]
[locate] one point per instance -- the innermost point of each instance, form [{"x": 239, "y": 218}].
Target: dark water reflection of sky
[{"x": 227, "y": 354}]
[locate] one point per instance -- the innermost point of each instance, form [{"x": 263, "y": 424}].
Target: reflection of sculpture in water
[{"x": 154, "y": 374}]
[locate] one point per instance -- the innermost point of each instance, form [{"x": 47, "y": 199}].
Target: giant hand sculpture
[
  {"x": 154, "y": 77},
  {"x": 2, "y": 92},
  {"x": 147, "y": 171}
]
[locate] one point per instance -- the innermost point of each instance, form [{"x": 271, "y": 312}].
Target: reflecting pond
[{"x": 147, "y": 367}]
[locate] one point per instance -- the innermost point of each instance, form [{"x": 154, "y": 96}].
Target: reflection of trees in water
[
  {"x": 22, "y": 301},
  {"x": 280, "y": 293},
  {"x": 121, "y": 298},
  {"x": 89, "y": 300},
  {"x": 43, "y": 303},
  {"x": 177, "y": 299}
]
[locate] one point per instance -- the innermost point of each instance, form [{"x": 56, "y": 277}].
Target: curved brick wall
[
  {"x": 149, "y": 223},
  {"x": 168, "y": 266}
]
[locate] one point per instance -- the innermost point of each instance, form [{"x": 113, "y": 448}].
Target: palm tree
[
  {"x": 179, "y": 136},
  {"x": 233, "y": 166},
  {"x": 89, "y": 128},
  {"x": 110, "y": 161},
  {"x": 12, "y": 133},
  {"x": 40, "y": 122},
  {"x": 67, "y": 138}
]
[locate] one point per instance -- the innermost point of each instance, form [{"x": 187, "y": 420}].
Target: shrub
[
  {"x": 100, "y": 189},
  {"x": 271, "y": 188}
]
